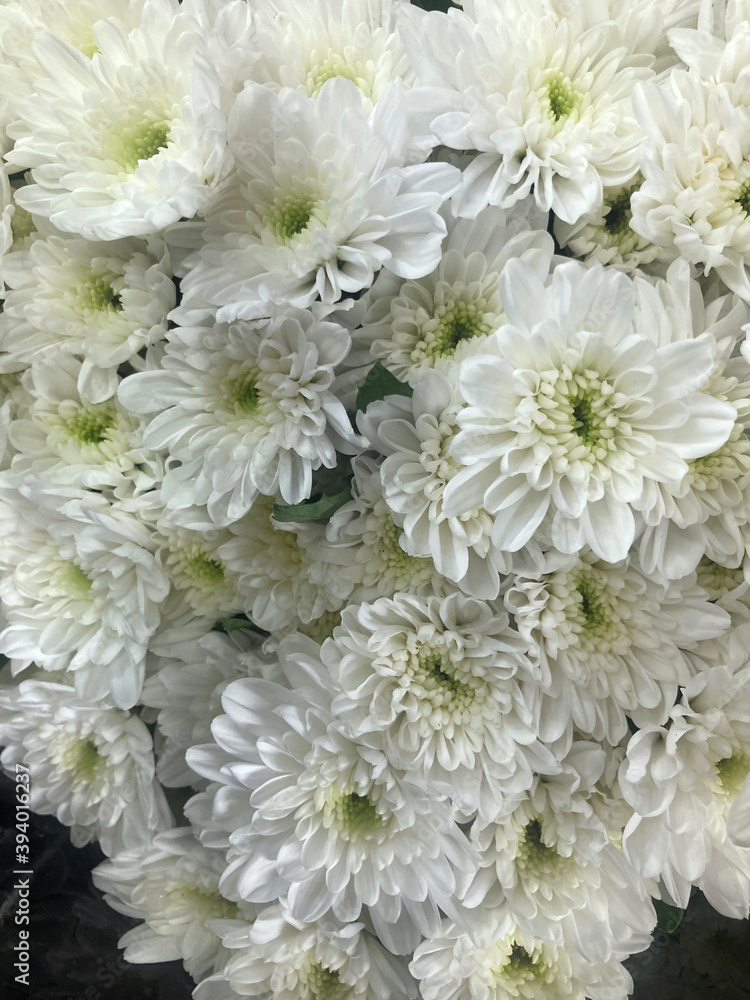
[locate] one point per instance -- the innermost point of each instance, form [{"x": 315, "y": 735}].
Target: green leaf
[
  {"x": 379, "y": 384},
  {"x": 317, "y": 508},
  {"x": 232, "y": 624},
  {"x": 668, "y": 918}
]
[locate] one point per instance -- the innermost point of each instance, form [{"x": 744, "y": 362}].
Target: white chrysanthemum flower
[
  {"x": 274, "y": 564},
  {"x": 610, "y": 642},
  {"x": 682, "y": 781},
  {"x": 440, "y": 680},
  {"x": 415, "y": 435},
  {"x": 140, "y": 120},
  {"x": 438, "y": 320},
  {"x": 187, "y": 690},
  {"x": 361, "y": 557},
  {"x": 321, "y": 200},
  {"x": 91, "y": 765},
  {"x": 546, "y": 101},
  {"x": 577, "y": 411},
  {"x": 280, "y": 958},
  {"x": 103, "y": 301},
  {"x": 695, "y": 198},
  {"x": 551, "y": 862},
  {"x": 172, "y": 884},
  {"x": 511, "y": 965},
  {"x": 22, "y": 21},
  {"x": 605, "y": 236},
  {"x": 302, "y": 44},
  {"x": 323, "y": 818},
  {"x": 244, "y": 409},
  {"x": 705, "y": 511},
  {"x": 82, "y": 595},
  {"x": 63, "y": 440}
]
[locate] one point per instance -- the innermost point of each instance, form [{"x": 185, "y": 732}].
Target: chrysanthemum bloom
[
  {"x": 244, "y": 409},
  {"x": 510, "y": 964},
  {"x": 91, "y": 765},
  {"x": 550, "y": 861},
  {"x": 438, "y": 320},
  {"x": 605, "y": 236},
  {"x": 703, "y": 513},
  {"x": 22, "y": 21},
  {"x": 280, "y": 958},
  {"x": 320, "y": 202},
  {"x": 130, "y": 140},
  {"x": 415, "y": 435},
  {"x": 82, "y": 595},
  {"x": 322, "y": 818},
  {"x": 360, "y": 557},
  {"x": 171, "y": 882},
  {"x": 439, "y": 679},
  {"x": 103, "y": 301},
  {"x": 579, "y": 408},
  {"x": 187, "y": 690},
  {"x": 682, "y": 780},
  {"x": 63, "y": 440},
  {"x": 610, "y": 642},
  {"x": 303, "y": 43},
  {"x": 695, "y": 198},
  {"x": 545, "y": 101},
  {"x": 276, "y": 568}
]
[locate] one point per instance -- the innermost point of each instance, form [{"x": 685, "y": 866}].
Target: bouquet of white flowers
[{"x": 375, "y": 462}]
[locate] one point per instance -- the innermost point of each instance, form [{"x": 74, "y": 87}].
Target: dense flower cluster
[{"x": 375, "y": 465}]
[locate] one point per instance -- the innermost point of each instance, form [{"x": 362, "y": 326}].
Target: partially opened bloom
[
  {"x": 578, "y": 409},
  {"x": 611, "y": 642},
  {"x": 323, "y": 818},
  {"x": 81, "y": 594},
  {"x": 546, "y": 101},
  {"x": 141, "y": 121},
  {"x": 508, "y": 964},
  {"x": 171, "y": 883},
  {"x": 103, "y": 301},
  {"x": 682, "y": 781},
  {"x": 439, "y": 679},
  {"x": 92, "y": 765},
  {"x": 320, "y": 202},
  {"x": 415, "y": 435},
  {"x": 278, "y": 958},
  {"x": 245, "y": 409}
]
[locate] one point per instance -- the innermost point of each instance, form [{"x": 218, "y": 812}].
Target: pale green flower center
[
  {"x": 562, "y": 98},
  {"x": 323, "y": 983},
  {"x": 322, "y": 628},
  {"x": 356, "y": 816},
  {"x": 98, "y": 295},
  {"x": 393, "y": 556},
  {"x": 588, "y": 420},
  {"x": 72, "y": 580},
  {"x": 327, "y": 70},
  {"x": 536, "y": 858},
  {"x": 455, "y": 322},
  {"x": 718, "y": 580},
  {"x": 138, "y": 140},
  {"x": 22, "y": 224},
  {"x": 82, "y": 759},
  {"x": 617, "y": 220},
  {"x": 525, "y": 973},
  {"x": 242, "y": 394},
  {"x": 732, "y": 772},
  {"x": 290, "y": 215},
  {"x": 727, "y": 464},
  {"x": 205, "y": 571},
  {"x": 574, "y": 411},
  {"x": 743, "y": 197},
  {"x": 437, "y": 677},
  {"x": 91, "y": 426},
  {"x": 210, "y": 905}
]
